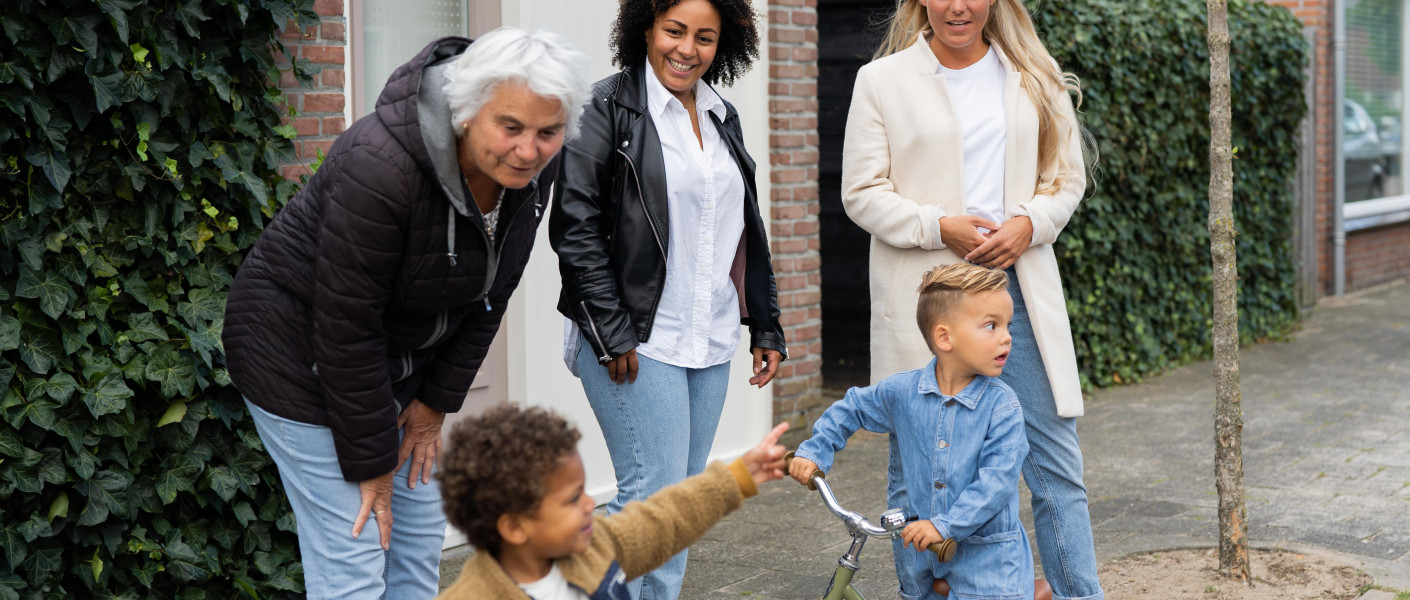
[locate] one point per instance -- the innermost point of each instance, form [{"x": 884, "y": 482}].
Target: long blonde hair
[{"x": 1012, "y": 29}]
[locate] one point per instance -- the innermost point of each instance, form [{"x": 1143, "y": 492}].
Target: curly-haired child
[{"x": 513, "y": 481}]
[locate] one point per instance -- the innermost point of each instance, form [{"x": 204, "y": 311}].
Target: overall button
[
  {"x": 943, "y": 444},
  {"x": 939, "y": 485},
  {"x": 949, "y": 403}
]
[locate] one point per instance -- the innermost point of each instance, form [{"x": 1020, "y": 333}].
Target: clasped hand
[{"x": 997, "y": 249}]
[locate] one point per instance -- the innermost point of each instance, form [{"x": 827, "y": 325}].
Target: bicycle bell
[{"x": 893, "y": 520}]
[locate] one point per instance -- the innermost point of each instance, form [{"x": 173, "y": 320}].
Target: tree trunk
[{"x": 1228, "y": 412}]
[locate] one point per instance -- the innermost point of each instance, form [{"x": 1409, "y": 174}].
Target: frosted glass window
[
  {"x": 393, "y": 31},
  {"x": 1373, "y": 143}
]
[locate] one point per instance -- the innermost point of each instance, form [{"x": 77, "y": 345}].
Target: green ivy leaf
[
  {"x": 222, "y": 482},
  {"x": 9, "y": 333},
  {"x": 59, "y": 508},
  {"x": 52, "y": 291},
  {"x": 244, "y": 513},
  {"x": 59, "y": 387},
  {"x": 178, "y": 474},
  {"x": 107, "y": 395},
  {"x": 39, "y": 349},
  {"x": 174, "y": 413},
  {"x": 10, "y": 444},
  {"x": 177, "y": 375},
  {"x": 144, "y": 327},
  {"x": 13, "y": 543},
  {"x": 202, "y": 305}
]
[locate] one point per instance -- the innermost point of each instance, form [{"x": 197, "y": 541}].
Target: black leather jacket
[{"x": 609, "y": 225}]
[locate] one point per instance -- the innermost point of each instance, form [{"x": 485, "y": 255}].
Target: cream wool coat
[{"x": 903, "y": 169}]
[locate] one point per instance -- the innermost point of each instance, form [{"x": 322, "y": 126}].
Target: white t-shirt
[
  {"x": 552, "y": 587},
  {"x": 977, "y": 94}
]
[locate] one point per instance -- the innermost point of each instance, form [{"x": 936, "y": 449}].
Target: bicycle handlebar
[{"x": 944, "y": 549}]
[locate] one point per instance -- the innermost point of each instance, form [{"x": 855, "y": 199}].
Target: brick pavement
[{"x": 1326, "y": 464}]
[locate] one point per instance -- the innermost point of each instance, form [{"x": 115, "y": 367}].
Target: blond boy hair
[{"x": 942, "y": 288}]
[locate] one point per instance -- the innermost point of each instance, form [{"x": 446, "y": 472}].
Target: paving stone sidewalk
[{"x": 1326, "y": 464}]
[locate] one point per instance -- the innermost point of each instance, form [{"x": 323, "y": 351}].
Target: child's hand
[
  {"x": 765, "y": 461},
  {"x": 921, "y": 534},
  {"x": 801, "y": 469}
]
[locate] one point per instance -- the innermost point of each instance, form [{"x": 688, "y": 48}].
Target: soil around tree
[{"x": 1193, "y": 575}]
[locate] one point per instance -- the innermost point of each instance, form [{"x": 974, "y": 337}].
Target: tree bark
[{"x": 1228, "y": 411}]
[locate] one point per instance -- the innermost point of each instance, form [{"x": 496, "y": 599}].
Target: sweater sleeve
[
  {"x": 645, "y": 534},
  {"x": 868, "y": 194},
  {"x": 1051, "y": 211}
]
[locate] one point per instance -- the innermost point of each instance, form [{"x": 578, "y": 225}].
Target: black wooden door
[{"x": 848, "y": 33}]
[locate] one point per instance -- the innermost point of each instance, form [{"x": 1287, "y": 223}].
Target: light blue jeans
[
  {"x": 1053, "y": 469},
  {"x": 659, "y": 431},
  {"x": 337, "y": 566}
]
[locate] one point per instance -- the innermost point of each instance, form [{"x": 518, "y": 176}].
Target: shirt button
[
  {"x": 943, "y": 444},
  {"x": 939, "y": 485},
  {"x": 949, "y": 403}
]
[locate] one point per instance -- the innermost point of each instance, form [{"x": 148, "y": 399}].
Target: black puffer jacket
[
  {"x": 610, "y": 226},
  {"x": 377, "y": 283}
]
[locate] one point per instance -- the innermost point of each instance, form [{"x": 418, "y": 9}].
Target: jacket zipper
[
  {"x": 592, "y": 328},
  {"x": 441, "y": 322},
  {"x": 405, "y": 367},
  {"x": 492, "y": 268},
  {"x": 641, "y": 196}
]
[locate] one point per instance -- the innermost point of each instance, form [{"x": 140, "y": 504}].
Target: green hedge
[
  {"x": 1135, "y": 258},
  {"x": 139, "y": 150}
]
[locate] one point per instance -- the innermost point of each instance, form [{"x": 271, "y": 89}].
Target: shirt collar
[
  {"x": 658, "y": 97},
  {"x": 969, "y": 396}
]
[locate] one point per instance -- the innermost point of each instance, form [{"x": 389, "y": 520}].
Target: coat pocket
[{"x": 995, "y": 567}]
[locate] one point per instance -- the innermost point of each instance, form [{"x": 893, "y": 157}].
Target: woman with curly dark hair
[{"x": 661, "y": 247}]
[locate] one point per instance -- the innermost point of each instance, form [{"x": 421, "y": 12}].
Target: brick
[
  {"x": 778, "y": 17},
  {"x": 323, "y": 103},
  {"x": 333, "y": 77},
  {"x": 334, "y": 125},
  {"x": 287, "y": 79},
  {"x": 804, "y": 17},
  {"x": 323, "y": 54},
  {"x": 791, "y": 36},
  {"x": 805, "y": 54},
  {"x": 328, "y": 8},
  {"x": 306, "y": 126},
  {"x": 334, "y": 32},
  {"x": 311, "y": 148}
]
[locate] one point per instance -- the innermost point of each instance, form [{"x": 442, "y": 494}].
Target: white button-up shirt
[{"x": 697, "y": 320}]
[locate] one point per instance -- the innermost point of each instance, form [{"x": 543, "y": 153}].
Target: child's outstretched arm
[
  {"x": 862, "y": 408},
  {"x": 647, "y": 533},
  {"x": 1000, "y": 461}
]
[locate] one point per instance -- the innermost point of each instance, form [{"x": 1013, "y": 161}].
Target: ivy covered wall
[{"x": 139, "y": 155}]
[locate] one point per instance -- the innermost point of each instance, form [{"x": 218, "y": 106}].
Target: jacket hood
[{"x": 414, "y": 109}]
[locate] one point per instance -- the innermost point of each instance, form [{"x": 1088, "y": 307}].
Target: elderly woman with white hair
[{"x": 363, "y": 313}]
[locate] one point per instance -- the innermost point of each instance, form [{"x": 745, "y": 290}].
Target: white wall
[{"x": 536, "y": 373}]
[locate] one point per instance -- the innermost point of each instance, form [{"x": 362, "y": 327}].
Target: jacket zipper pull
[
  {"x": 487, "y": 303},
  {"x": 452, "y": 256}
]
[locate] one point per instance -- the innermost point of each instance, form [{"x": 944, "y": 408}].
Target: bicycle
[{"x": 892, "y": 522}]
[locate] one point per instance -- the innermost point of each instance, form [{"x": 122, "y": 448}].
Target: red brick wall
[
  {"x": 1372, "y": 256},
  {"x": 793, "y": 154},
  {"x": 319, "y": 116},
  {"x": 1377, "y": 255}
]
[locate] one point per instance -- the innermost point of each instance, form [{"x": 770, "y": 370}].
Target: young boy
[
  {"x": 512, "y": 480},
  {"x": 960, "y": 436}
]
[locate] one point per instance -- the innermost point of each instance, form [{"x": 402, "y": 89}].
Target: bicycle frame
[{"x": 892, "y": 522}]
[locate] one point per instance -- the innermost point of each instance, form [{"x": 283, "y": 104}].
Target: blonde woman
[{"x": 963, "y": 145}]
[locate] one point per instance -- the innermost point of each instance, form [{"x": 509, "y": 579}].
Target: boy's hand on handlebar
[
  {"x": 921, "y": 534},
  {"x": 765, "y": 461},
  {"x": 801, "y": 469}
]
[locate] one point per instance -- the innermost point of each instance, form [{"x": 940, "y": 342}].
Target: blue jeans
[
  {"x": 1053, "y": 469},
  {"x": 659, "y": 431},
  {"x": 335, "y": 564}
]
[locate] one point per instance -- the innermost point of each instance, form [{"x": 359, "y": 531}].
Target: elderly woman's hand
[
  {"x": 421, "y": 441},
  {"x": 376, "y": 500}
]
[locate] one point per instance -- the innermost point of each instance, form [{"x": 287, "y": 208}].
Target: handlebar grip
[
  {"x": 788, "y": 460},
  {"x": 944, "y": 549}
]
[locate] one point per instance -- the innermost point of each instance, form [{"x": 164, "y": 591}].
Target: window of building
[{"x": 1373, "y": 144}]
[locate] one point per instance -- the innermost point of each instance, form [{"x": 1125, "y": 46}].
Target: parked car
[
  {"x": 1363, "y": 153},
  {"x": 1391, "y": 144}
]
